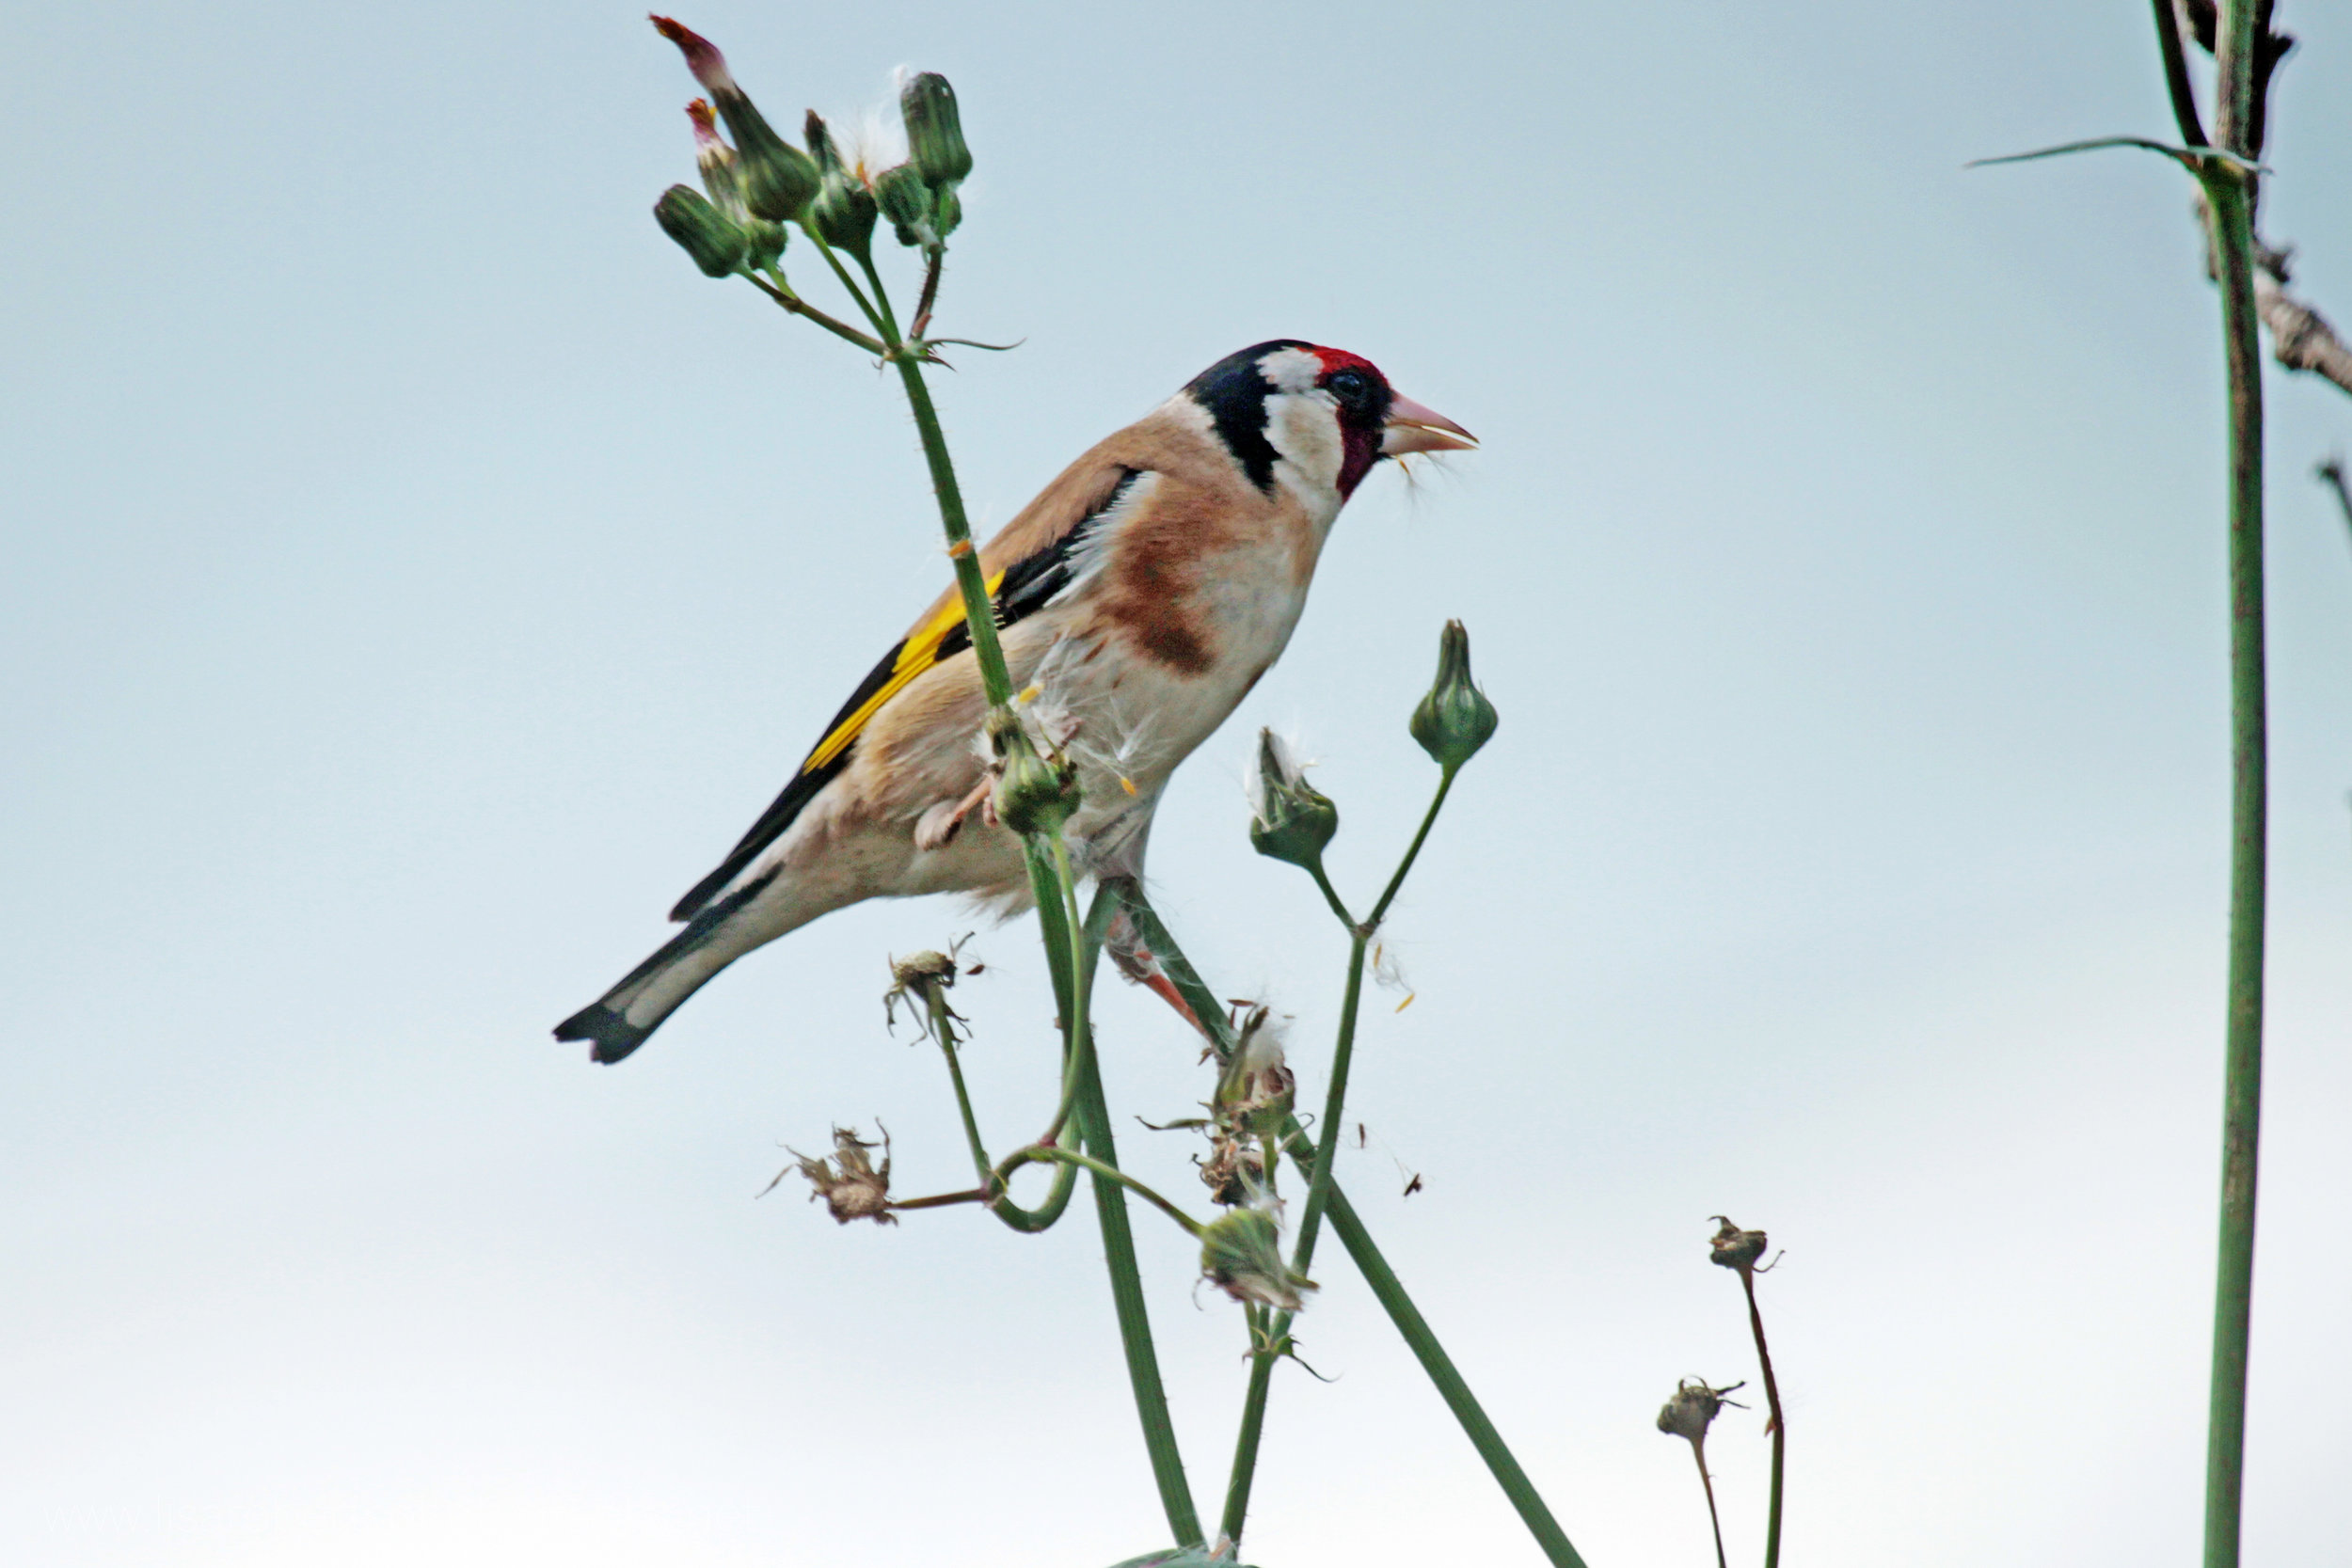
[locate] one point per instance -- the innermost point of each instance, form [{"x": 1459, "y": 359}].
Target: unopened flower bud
[
  {"x": 1735, "y": 1248},
  {"x": 950, "y": 211},
  {"x": 851, "y": 1187},
  {"x": 907, "y": 202},
  {"x": 715, "y": 160},
  {"x": 1241, "y": 1254},
  {"x": 1455, "y": 719},
  {"x": 1289, "y": 818},
  {"x": 1693, "y": 1410},
  {"x": 715, "y": 241},
  {"x": 935, "y": 131},
  {"x": 779, "y": 180}
]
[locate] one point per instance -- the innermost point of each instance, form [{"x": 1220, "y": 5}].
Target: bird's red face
[{"x": 1261, "y": 397}]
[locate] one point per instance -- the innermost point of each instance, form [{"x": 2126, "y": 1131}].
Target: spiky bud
[
  {"x": 1289, "y": 818},
  {"x": 1455, "y": 719},
  {"x": 715, "y": 241},
  {"x": 1241, "y": 1254},
  {"x": 779, "y": 180},
  {"x": 935, "y": 131}
]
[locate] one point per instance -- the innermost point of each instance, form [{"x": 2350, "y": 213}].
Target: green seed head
[{"x": 1455, "y": 719}]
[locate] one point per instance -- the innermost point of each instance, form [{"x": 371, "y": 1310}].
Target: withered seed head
[{"x": 1735, "y": 1248}]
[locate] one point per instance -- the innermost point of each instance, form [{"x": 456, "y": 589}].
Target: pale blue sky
[{"x": 419, "y": 575}]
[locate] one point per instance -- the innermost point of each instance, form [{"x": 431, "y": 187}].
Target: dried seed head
[
  {"x": 1257, "y": 1088},
  {"x": 851, "y": 1187},
  {"x": 1735, "y": 1248},
  {"x": 1693, "y": 1409},
  {"x": 1234, "y": 1172}
]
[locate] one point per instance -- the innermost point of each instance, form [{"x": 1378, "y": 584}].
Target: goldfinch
[{"x": 1141, "y": 595}]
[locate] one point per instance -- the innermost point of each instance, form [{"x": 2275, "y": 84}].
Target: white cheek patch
[
  {"x": 1304, "y": 429},
  {"x": 1290, "y": 370}
]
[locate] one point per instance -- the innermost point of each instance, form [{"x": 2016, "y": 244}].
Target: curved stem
[
  {"x": 1039, "y": 1153},
  {"x": 1043, "y": 1216},
  {"x": 1780, "y": 1424}
]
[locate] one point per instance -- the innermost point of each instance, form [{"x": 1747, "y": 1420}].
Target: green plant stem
[
  {"x": 1780, "y": 1425},
  {"x": 800, "y": 307},
  {"x": 1135, "y": 1321},
  {"x": 1037, "y": 1153},
  {"x": 1412, "y": 852},
  {"x": 1246, "y": 1441},
  {"x": 946, "y": 1035},
  {"x": 1441, "y": 1372},
  {"x": 1049, "y": 882},
  {"x": 1331, "y": 894},
  {"x": 2229, "y": 199},
  {"x": 2176, "y": 81},
  {"x": 1349, "y": 1228}
]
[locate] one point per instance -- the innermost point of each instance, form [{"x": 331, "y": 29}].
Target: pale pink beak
[{"x": 1414, "y": 428}]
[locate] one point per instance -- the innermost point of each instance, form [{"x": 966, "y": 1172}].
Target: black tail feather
[{"x": 615, "y": 1036}]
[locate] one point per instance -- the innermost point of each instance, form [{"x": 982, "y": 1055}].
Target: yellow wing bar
[{"x": 918, "y": 653}]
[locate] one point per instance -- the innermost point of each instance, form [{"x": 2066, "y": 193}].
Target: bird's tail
[{"x": 620, "y": 1019}]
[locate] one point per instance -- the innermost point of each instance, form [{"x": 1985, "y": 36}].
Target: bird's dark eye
[{"x": 1352, "y": 389}]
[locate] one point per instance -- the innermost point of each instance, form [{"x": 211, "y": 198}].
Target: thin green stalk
[
  {"x": 946, "y": 1035},
  {"x": 1135, "y": 1321},
  {"x": 1053, "y": 902},
  {"x": 1246, "y": 1441},
  {"x": 1331, "y": 894},
  {"x": 1349, "y": 1228},
  {"x": 2228, "y": 199},
  {"x": 1441, "y": 1372},
  {"x": 1412, "y": 852},
  {"x": 2176, "y": 81},
  {"x": 1780, "y": 1425},
  {"x": 800, "y": 307},
  {"x": 1327, "y": 1159}
]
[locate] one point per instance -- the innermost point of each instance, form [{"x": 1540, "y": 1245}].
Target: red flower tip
[
  {"x": 702, "y": 55},
  {"x": 705, "y": 124}
]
